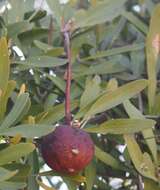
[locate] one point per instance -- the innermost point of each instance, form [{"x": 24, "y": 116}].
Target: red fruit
[{"x": 67, "y": 149}]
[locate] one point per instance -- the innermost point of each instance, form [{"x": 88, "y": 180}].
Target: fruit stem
[{"x": 67, "y": 45}]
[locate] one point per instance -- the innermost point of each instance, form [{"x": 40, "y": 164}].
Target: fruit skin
[{"x": 67, "y": 150}]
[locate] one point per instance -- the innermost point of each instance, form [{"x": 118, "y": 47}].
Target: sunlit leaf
[
  {"x": 122, "y": 126},
  {"x": 116, "y": 97}
]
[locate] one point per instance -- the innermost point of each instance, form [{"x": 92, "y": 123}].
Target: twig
[{"x": 66, "y": 28}]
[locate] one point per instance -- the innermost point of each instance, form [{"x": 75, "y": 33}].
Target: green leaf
[
  {"x": 152, "y": 55},
  {"x": 102, "y": 12},
  {"x": 41, "y": 61},
  {"x": 23, "y": 170},
  {"x": 107, "y": 158},
  {"x": 76, "y": 178},
  {"x": 136, "y": 21},
  {"x": 115, "y": 51},
  {"x": 59, "y": 82},
  {"x": 142, "y": 162},
  {"x": 149, "y": 184},
  {"x": 20, "y": 107},
  {"x": 116, "y": 97},
  {"x": 122, "y": 126},
  {"x": 16, "y": 28},
  {"x": 11, "y": 185},
  {"x": 106, "y": 67},
  {"x": 4, "y": 64},
  {"x": 5, "y": 96},
  {"x": 134, "y": 113},
  {"x": 15, "y": 152},
  {"x": 6, "y": 174},
  {"x": 91, "y": 92},
  {"x": 28, "y": 130},
  {"x": 54, "y": 114},
  {"x": 90, "y": 174}
]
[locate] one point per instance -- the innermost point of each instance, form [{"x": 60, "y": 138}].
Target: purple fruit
[{"x": 67, "y": 149}]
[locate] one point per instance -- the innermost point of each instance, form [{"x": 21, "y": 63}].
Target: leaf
[
  {"x": 6, "y": 174},
  {"x": 76, "y": 178},
  {"x": 122, "y": 126},
  {"x": 15, "y": 152},
  {"x": 59, "y": 82},
  {"x": 107, "y": 158},
  {"x": 136, "y": 21},
  {"x": 16, "y": 113},
  {"x": 116, "y": 97},
  {"x": 23, "y": 171},
  {"x": 4, "y": 64},
  {"x": 102, "y": 12},
  {"x": 134, "y": 113},
  {"x": 142, "y": 163},
  {"x": 90, "y": 174},
  {"x": 12, "y": 185},
  {"x": 152, "y": 50},
  {"x": 112, "y": 85},
  {"x": 54, "y": 114},
  {"x": 107, "y": 67},
  {"x": 17, "y": 28},
  {"x": 149, "y": 184},
  {"x": 28, "y": 130},
  {"x": 5, "y": 96},
  {"x": 91, "y": 92},
  {"x": 115, "y": 51},
  {"x": 41, "y": 61}
]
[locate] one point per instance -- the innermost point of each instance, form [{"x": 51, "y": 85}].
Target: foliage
[{"x": 115, "y": 90}]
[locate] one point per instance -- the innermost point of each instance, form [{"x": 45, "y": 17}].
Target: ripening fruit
[{"x": 67, "y": 150}]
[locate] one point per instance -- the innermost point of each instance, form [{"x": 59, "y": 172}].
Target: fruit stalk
[{"x": 67, "y": 45}]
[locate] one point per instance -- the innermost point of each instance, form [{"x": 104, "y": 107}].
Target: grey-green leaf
[
  {"x": 122, "y": 126},
  {"x": 116, "y": 97},
  {"x": 15, "y": 152},
  {"x": 28, "y": 130},
  {"x": 106, "y": 11}
]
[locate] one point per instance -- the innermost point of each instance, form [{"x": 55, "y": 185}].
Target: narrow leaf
[
  {"x": 4, "y": 64},
  {"x": 28, "y": 131},
  {"x": 15, "y": 152},
  {"x": 116, "y": 97},
  {"x": 100, "y": 13},
  {"x": 134, "y": 113},
  {"x": 106, "y": 158},
  {"x": 122, "y": 126},
  {"x": 17, "y": 110},
  {"x": 152, "y": 50}
]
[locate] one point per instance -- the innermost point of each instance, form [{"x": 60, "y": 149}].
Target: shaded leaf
[
  {"x": 91, "y": 92},
  {"x": 15, "y": 152},
  {"x": 90, "y": 174},
  {"x": 107, "y": 158},
  {"x": 6, "y": 174},
  {"x": 17, "y": 111},
  {"x": 41, "y": 61},
  {"x": 100, "y": 13},
  {"x": 115, "y": 51}
]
